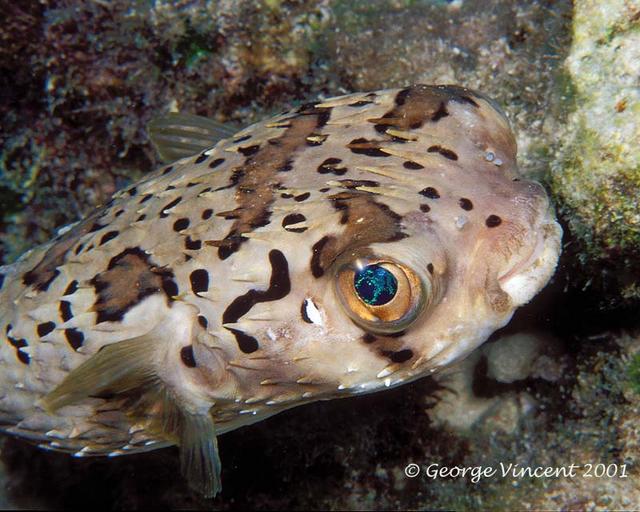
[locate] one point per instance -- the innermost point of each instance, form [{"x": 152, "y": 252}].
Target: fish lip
[
  {"x": 532, "y": 271},
  {"x": 523, "y": 264}
]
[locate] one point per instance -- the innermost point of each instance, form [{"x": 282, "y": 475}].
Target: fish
[{"x": 342, "y": 247}]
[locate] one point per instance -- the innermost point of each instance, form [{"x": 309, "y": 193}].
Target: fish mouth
[{"x": 533, "y": 270}]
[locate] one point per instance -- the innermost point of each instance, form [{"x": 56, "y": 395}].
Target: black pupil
[{"x": 375, "y": 285}]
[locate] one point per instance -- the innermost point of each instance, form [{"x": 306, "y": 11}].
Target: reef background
[{"x": 79, "y": 81}]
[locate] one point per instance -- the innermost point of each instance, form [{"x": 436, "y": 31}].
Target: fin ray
[
  {"x": 116, "y": 368},
  {"x": 127, "y": 368},
  {"x": 177, "y": 136},
  {"x": 199, "y": 458}
]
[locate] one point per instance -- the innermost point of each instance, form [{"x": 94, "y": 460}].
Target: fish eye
[
  {"x": 375, "y": 285},
  {"x": 381, "y": 295}
]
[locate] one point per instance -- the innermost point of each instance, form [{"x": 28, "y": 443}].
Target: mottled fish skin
[{"x": 229, "y": 261}]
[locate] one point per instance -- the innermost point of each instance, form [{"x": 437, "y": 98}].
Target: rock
[
  {"x": 596, "y": 172},
  {"x": 511, "y": 358}
]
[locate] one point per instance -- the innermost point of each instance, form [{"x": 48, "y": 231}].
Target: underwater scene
[{"x": 320, "y": 255}]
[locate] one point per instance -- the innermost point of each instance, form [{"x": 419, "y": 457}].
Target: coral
[{"x": 596, "y": 172}]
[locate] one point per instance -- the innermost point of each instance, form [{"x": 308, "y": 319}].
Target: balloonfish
[{"x": 343, "y": 247}]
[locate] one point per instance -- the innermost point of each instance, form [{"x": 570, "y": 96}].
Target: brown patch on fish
[
  {"x": 129, "y": 278},
  {"x": 43, "y": 274},
  {"x": 418, "y": 104},
  {"x": 257, "y": 182},
  {"x": 366, "y": 222}
]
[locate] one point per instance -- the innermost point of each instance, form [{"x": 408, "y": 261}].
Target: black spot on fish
[
  {"x": 465, "y": 204},
  {"x": 330, "y": 165},
  {"x": 369, "y": 338},
  {"x": 425, "y": 208},
  {"x": 1, "y": 281},
  {"x": 203, "y": 321},
  {"x": 187, "y": 357},
  {"x": 362, "y": 146},
  {"x": 132, "y": 191},
  {"x": 447, "y": 153},
  {"x": 360, "y": 103},
  {"x": 164, "y": 211},
  {"x": 108, "y": 236},
  {"x": 141, "y": 217},
  {"x": 288, "y": 165},
  {"x": 201, "y": 158},
  {"x": 206, "y": 214},
  {"x": 65, "y": 310},
  {"x": 412, "y": 165},
  {"x": 352, "y": 184},
  {"x": 145, "y": 198},
  {"x": 215, "y": 163},
  {"x": 279, "y": 287},
  {"x": 249, "y": 150},
  {"x": 493, "y": 221},
  {"x": 167, "y": 170},
  {"x": 241, "y": 139},
  {"x": 316, "y": 268},
  {"x": 229, "y": 245},
  {"x": 294, "y": 218},
  {"x": 302, "y": 197},
  {"x": 400, "y": 356},
  {"x": 75, "y": 338},
  {"x": 118, "y": 213},
  {"x": 181, "y": 224},
  {"x": 246, "y": 343},
  {"x": 430, "y": 268},
  {"x": 199, "y": 279},
  {"x": 170, "y": 287},
  {"x": 45, "y": 328},
  {"x": 430, "y": 192},
  {"x": 18, "y": 344}
]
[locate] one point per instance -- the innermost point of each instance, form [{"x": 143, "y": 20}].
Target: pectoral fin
[
  {"x": 127, "y": 370},
  {"x": 179, "y": 135},
  {"x": 116, "y": 369}
]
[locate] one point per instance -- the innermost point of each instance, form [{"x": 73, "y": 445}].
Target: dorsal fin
[
  {"x": 127, "y": 370},
  {"x": 176, "y": 136}
]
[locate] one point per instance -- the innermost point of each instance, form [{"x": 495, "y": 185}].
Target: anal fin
[
  {"x": 127, "y": 371},
  {"x": 199, "y": 459}
]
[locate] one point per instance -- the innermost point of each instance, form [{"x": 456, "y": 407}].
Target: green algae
[{"x": 633, "y": 373}]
